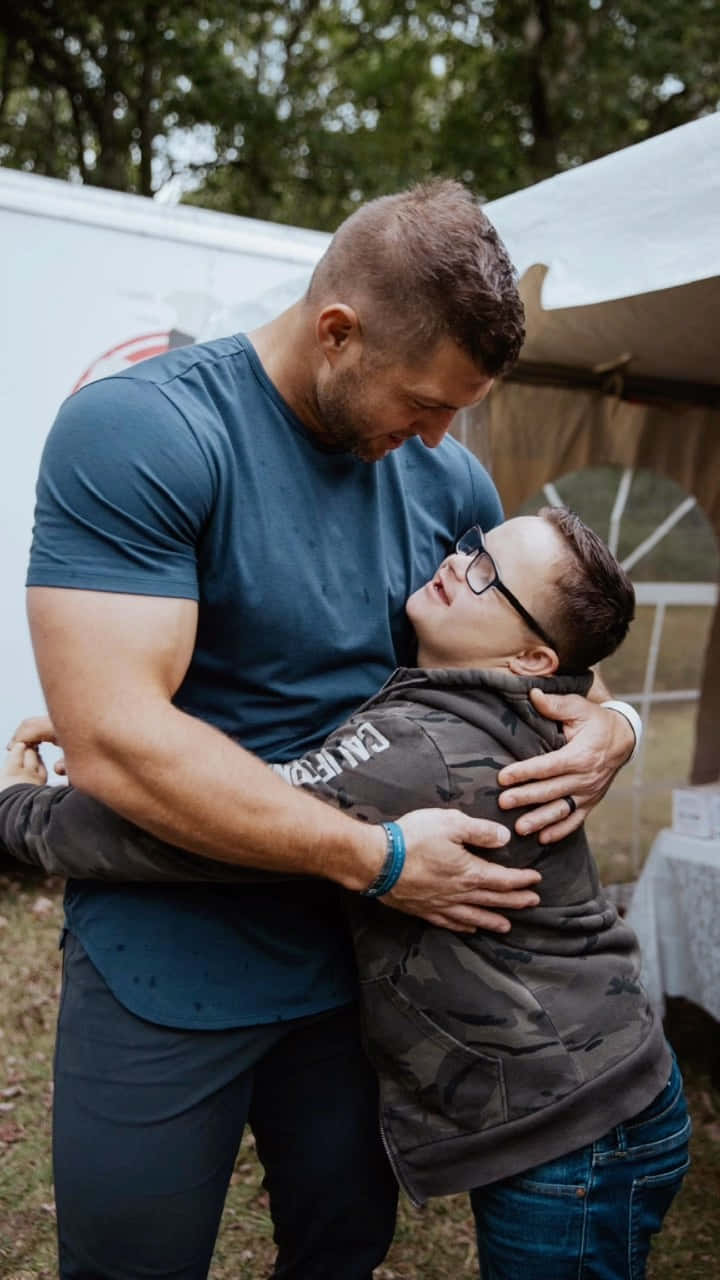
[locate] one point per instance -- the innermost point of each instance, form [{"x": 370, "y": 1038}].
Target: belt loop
[{"x": 621, "y": 1138}]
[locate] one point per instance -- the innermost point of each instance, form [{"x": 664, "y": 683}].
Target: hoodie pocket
[{"x": 420, "y": 1064}]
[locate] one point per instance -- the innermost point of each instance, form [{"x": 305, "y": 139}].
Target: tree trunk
[
  {"x": 543, "y": 152},
  {"x": 111, "y": 168},
  {"x": 144, "y": 112}
]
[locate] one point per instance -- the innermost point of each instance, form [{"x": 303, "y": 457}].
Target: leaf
[
  {"x": 12, "y": 1091},
  {"x": 41, "y": 906},
  {"x": 11, "y": 1131}
]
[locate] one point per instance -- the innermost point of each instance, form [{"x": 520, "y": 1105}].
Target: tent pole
[
  {"x": 616, "y": 514},
  {"x": 646, "y": 703}
]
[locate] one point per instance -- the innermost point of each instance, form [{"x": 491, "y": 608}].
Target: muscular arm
[
  {"x": 599, "y": 691},
  {"x": 110, "y": 665}
]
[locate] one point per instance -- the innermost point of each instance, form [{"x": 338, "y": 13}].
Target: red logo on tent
[{"x": 132, "y": 352}]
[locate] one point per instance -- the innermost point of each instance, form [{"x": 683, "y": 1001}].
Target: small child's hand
[
  {"x": 22, "y": 764},
  {"x": 34, "y": 730}
]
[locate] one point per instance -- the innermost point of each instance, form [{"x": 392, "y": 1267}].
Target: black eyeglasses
[{"x": 481, "y": 574}]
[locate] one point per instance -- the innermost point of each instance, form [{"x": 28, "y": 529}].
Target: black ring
[{"x": 571, "y": 804}]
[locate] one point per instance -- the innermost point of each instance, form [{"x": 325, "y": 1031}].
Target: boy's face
[{"x": 457, "y": 628}]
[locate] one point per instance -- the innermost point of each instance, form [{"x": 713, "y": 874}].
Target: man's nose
[{"x": 433, "y": 434}]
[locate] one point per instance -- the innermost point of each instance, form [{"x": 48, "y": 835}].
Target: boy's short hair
[{"x": 593, "y": 600}]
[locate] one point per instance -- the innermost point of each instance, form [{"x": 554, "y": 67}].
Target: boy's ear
[{"x": 540, "y": 660}]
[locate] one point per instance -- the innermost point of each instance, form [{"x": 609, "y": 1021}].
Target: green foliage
[{"x": 298, "y": 110}]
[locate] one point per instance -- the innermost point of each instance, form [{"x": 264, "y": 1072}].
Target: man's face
[
  {"x": 370, "y": 408},
  {"x": 456, "y": 628}
]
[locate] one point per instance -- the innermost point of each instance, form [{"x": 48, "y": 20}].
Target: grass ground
[{"x": 430, "y": 1246}]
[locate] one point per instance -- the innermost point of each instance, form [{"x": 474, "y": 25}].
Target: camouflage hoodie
[{"x": 494, "y": 1053}]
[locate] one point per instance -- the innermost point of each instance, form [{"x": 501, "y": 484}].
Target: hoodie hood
[{"x": 469, "y": 693}]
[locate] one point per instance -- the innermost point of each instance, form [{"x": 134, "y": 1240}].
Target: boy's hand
[
  {"x": 36, "y": 729},
  {"x": 22, "y": 764}
]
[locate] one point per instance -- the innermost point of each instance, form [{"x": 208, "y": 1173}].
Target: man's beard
[{"x": 342, "y": 424}]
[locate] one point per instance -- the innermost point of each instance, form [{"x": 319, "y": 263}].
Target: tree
[
  {"x": 89, "y": 93},
  {"x": 307, "y": 107}
]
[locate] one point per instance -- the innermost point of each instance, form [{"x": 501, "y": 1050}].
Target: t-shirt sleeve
[{"x": 123, "y": 492}]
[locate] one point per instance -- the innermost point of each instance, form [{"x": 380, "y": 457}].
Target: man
[{"x": 217, "y": 575}]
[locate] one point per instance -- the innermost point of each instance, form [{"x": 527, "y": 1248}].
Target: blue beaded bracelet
[{"x": 391, "y": 868}]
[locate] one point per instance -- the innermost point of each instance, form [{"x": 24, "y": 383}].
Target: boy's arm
[{"x": 64, "y": 832}]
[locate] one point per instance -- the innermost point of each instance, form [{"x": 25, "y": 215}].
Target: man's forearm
[
  {"x": 598, "y": 691},
  {"x": 192, "y": 786}
]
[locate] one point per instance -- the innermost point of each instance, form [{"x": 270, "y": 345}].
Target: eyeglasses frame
[{"x": 498, "y": 584}]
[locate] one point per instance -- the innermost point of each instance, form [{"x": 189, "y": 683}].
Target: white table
[{"x": 675, "y": 912}]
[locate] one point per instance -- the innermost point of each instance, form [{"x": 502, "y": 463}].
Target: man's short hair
[
  {"x": 429, "y": 264},
  {"x": 593, "y": 600}
]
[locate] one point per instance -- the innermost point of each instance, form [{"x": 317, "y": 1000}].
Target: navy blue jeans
[
  {"x": 147, "y": 1125},
  {"x": 591, "y": 1214}
]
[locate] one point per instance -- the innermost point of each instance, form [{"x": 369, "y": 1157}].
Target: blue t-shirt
[{"x": 190, "y": 476}]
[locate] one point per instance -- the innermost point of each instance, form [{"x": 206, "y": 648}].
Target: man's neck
[{"x": 287, "y": 353}]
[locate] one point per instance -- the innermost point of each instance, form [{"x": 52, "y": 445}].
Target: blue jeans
[
  {"x": 148, "y": 1120},
  {"x": 590, "y": 1214}
]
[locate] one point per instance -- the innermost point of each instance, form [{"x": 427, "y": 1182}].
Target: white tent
[
  {"x": 620, "y": 272},
  {"x": 631, "y": 250}
]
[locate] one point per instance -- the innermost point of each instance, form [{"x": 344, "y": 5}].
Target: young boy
[{"x": 528, "y": 1069}]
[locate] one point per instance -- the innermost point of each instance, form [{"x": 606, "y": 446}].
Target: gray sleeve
[
  {"x": 474, "y": 757},
  {"x": 376, "y": 767},
  {"x": 64, "y": 832},
  {"x": 373, "y": 769}
]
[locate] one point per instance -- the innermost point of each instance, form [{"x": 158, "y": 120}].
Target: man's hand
[
  {"x": 448, "y": 886},
  {"x": 22, "y": 764},
  {"x": 599, "y": 741}
]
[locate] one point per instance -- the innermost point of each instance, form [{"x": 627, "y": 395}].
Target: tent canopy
[{"x": 620, "y": 259}]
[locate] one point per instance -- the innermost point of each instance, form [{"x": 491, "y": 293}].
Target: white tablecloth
[{"x": 675, "y": 912}]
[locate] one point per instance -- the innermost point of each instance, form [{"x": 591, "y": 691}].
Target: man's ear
[
  {"x": 540, "y": 660},
  {"x": 337, "y": 328}
]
